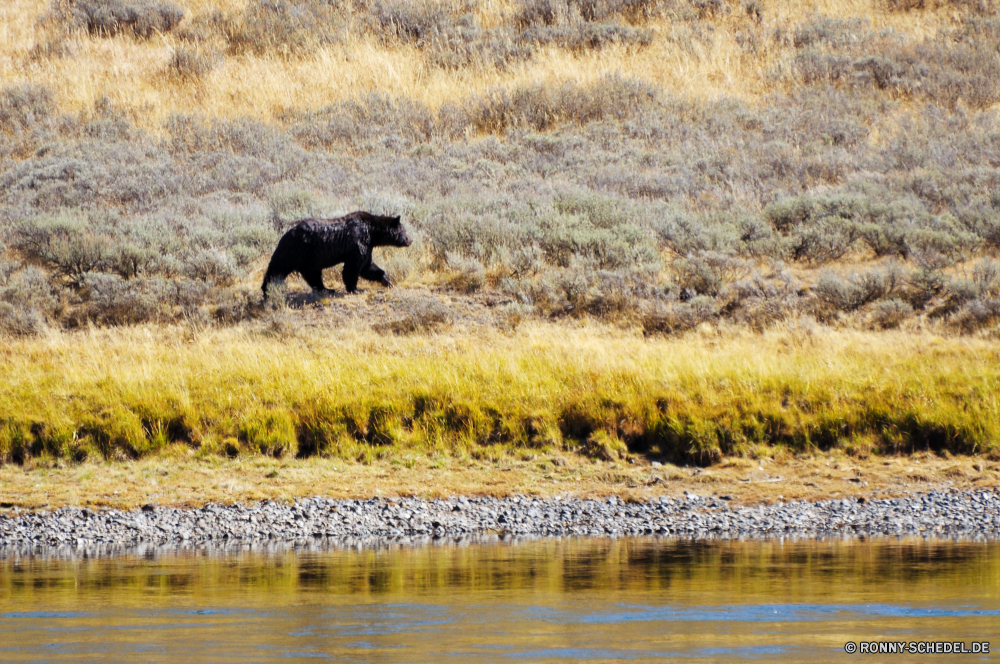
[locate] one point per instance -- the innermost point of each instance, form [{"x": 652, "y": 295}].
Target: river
[{"x": 546, "y": 600}]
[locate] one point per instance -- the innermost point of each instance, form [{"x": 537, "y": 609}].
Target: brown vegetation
[
  {"x": 176, "y": 478},
  {"x": 665, "y": 167}
]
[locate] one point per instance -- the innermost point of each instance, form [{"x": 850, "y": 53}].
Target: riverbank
[
  {"x": 181, "y": 478},
  {"x": 940, "y": 513}
]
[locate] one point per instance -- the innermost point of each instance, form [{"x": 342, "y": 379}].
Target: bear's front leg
[
  {"x": 315, "y": 280},
  {"x": 373, "y": 272}
]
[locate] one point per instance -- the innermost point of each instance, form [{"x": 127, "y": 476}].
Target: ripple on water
[{"x": 545, "y": 600}]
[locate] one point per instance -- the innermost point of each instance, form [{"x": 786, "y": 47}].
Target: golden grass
[
  {"x": 481, "y": 394},
  {"x": 133, "y": 75},
  {"x": 462, "y": 412}
]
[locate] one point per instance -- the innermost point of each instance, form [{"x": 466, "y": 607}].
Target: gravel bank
[{"x": 951, "y": 514}]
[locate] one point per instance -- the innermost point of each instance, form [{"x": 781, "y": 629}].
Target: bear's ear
[{"x": 395, "y": 220}]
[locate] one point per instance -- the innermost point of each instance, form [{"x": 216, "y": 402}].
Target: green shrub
[
  {"x": 604, "y": 445},
  {"x": 117, "y": 433}
]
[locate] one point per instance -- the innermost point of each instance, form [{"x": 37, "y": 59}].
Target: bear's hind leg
[
  {"x": 271, "y": 277},
  {"x": 315, "y": 280},
  {"x": 351, "y": 272}
]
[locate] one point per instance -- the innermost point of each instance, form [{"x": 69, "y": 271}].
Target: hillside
[{"x": 651, "y": 172}]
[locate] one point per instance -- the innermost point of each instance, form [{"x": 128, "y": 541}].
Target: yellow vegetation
[
  {"x": 132, "y": 74},
  {"x": 122, "y": 393},
  {"x": 470, "y": 396}
]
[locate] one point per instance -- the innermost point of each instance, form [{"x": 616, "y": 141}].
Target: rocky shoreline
[{"x": 963, "y": 514}]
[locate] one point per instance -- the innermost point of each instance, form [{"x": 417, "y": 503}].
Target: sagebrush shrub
[
  {"x": 944, "y": 71},
  {"x": 188, "y": 63},
  {"x": 18, "y": 321},
  {"x": 112, "y": 300},
  {"x": 823, "y": 240},
  {"x": 760, "y": 300},
  {"x": 27, "y": 299},
  {"x": 367, "y": 123},
  {"x": 606, "y": 199},
  {"x": 67, "y": 245},
  {"x": 977, "y": 313},
  {"x": 889, "y": 314},
  {"x": 541, "y": 108},
  {"x": 986, "y": 277},
  {"x": 143, "y": 18},
  {"x": 287, "y": 27},
  {"x": 587, "y": 36},
  {"x": 858, "y": 288},
  {"x": 25, "y": 106},
  {"x": 924, "y": 284},
  {"x": 446, "y": 30},
  {"x": 684, "y": 234},
  {"x": 563, "y": 238},
  {"x": 664, "y": 318},
  {"x": 709, "y": 272},
  {"x": 468, "y": 276}
]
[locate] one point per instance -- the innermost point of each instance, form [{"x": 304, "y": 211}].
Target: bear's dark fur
[{"x": 313, "y": 245}]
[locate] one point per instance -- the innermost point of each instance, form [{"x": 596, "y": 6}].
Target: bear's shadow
[{"x": 302, "y": 299}]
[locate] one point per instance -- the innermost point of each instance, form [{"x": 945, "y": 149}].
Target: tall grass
[
  {"x": 125, "y": 394},
  {"x": 434, "y": 52}
]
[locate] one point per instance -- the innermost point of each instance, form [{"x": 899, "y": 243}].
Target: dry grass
[
  {"x": 484, "y": 396},
  {"x": 472, "y": 410},
  {"x": 133, "y": 76},
  {"x": 179, "y": 478}
]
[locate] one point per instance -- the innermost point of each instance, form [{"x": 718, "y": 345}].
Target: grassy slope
[
  {"x": 133, "y": 74},
  {"x": 458, "y": 402}
]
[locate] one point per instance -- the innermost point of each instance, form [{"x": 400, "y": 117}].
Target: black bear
[{"x": 313, "y": 245}]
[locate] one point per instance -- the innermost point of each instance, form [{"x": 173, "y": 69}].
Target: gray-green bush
[
  {"x": 612, "y": 199},
  {"x": 142, "y": 18}
]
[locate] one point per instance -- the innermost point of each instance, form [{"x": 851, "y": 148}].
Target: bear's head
[
  {"x": 396, "y": 233},
  {"x": 383, "y": 231}
]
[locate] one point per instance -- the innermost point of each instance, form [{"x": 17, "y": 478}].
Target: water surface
[{"x": 636, "y": 600}]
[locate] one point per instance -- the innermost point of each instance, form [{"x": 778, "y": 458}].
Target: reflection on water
[{"x": 548, "y": 600}]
